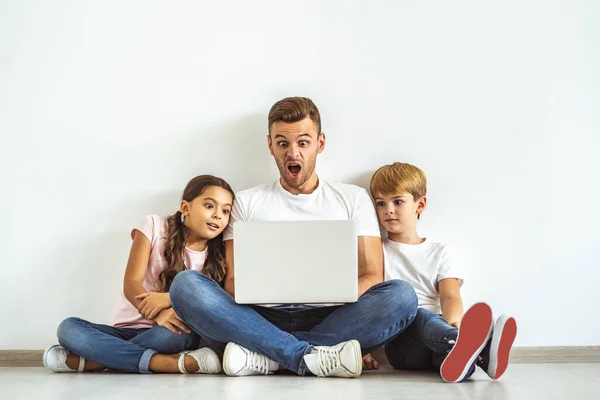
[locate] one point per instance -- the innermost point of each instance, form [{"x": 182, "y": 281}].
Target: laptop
[{"x": 295, "y": 262}]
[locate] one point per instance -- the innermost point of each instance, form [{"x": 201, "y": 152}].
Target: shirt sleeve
[
  {"x": 237, "y": 214},
  {"x": 365, "y": 216},
  {"x": 447, "y": 268},
  {"x": 146, "y": 227}
]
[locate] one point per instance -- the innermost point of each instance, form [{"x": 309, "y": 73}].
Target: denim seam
[
  {"x": 210, "y": 334},
  {"x": 145, "y": 361},
  {"x": 436, "y": 339},
  {"x": 302, "y": 367},
  {"x": 402, "y": 321}
]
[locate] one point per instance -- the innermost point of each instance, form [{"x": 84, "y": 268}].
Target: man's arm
[
  {"x": 370, "y": 263},
  {"x": 229, "y": 280}
]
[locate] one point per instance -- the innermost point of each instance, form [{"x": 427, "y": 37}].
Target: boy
[{"x": 449, "y": 342}]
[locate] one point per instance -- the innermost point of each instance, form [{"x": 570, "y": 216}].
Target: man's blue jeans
[{"x": 286, "y": 335}]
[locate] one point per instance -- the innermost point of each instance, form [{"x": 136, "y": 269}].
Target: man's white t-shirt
[
  {"x": 329, "y": 201},
  {"x": 423, "y": 266}
]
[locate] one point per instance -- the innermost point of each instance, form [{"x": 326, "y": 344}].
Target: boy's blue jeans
[
  {"x": 286, "y": 334},
  {"x": 424, "y": 345}
]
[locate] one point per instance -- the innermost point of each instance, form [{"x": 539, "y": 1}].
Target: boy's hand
[
  {"x": 152, "y": 304},
  {"x": 369, "y": 362},
  {"x": 170, "y": 320}
]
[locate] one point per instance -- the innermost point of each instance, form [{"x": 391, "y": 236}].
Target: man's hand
[
  {"x": 170, "y": 320},
  {"x": 369, "y": 362},
  {"x": 152, "y": 303}
]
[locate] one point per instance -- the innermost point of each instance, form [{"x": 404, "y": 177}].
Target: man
[{"x": 326, "y": 341}]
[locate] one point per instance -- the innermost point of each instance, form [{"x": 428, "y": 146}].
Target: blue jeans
[
  {"x": 286, "y": 335},
  {"x": 122, "y": 349},
  {"x": 424, "y": 345}
]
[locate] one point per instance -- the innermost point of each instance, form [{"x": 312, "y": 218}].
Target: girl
[{"x": 146, "y": 332}]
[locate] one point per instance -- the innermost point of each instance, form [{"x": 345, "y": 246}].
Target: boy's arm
[{"x": 450, "y": 300}]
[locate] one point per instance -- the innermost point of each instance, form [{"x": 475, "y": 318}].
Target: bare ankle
[
  {"x": 73, "y": 361},
  {"x": 191, "y": 365}
]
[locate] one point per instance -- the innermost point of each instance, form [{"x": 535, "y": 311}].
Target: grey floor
[{"x": 521, "y": 381}]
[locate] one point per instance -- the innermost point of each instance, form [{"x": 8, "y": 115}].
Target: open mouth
[
  {"x": 294, "y": 170},
  {"x": 213, "y": 226}
]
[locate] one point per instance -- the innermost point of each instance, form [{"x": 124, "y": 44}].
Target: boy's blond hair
[{"x": 399, "y": 178}]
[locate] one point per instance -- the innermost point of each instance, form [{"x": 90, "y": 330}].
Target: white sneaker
[
  {"x": 55, "y": 359},
  {"x": 239, "y": 361},
  {"x": 343, "y": 360},
  {"x": 208, "y": 361}
]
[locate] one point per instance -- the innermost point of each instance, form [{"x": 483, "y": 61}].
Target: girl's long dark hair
[{"x": 176, "y": 235}]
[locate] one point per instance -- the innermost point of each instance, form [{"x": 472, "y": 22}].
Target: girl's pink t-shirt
[{"x": 154, "y": 228}]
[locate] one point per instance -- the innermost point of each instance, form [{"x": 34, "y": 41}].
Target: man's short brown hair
[{"x": 294, "y": 109}]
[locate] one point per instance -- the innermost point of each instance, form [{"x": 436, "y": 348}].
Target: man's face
[{"x": 295, "y": 147}]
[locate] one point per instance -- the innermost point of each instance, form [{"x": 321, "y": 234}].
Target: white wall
[{"x": 108, "y": 108}]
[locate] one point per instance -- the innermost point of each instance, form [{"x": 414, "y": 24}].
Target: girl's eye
[
  {"x": 225, "y": 212},
  {"x": 208, "y": 205}
]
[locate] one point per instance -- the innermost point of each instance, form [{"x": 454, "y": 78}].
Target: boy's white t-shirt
[
  {"x": 423, "y": 266},
  {"x": 329, "y": 201}
]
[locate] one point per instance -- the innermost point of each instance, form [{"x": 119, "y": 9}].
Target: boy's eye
[
  {"x": 398, "y": 202},
  {"x": 282, "y": 144},
  {"x": 303, "y": 143},
  {"x": 380, "y": 204}
]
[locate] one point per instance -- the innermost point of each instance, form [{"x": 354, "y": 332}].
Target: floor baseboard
[
  {"x": 21, "y": 358},
  {"x": 521, "y": 355},
  {"x": 555, "y": 354}
]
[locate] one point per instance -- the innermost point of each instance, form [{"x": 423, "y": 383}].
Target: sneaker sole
[
  {"x": 226, "y": 357},
  {"x": 216, "y": 359},
  {"x": 358, "y": 359},
  {"x": 474, "y": 332},
  {"x": 501, "y": 346},
  {"x": 45, "y": 355}
]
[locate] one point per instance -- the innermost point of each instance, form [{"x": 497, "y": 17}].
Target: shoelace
[
  {"x": 329, "y": 360},
  {"x": 258, "y": 363}
]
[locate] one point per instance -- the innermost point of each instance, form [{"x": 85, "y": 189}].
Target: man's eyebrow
[{"x": 279, "y": 135}]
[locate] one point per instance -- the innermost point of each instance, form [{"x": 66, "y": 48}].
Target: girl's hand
[
  {"x": 170, "y": 320},
  {"x": 152, "y": 304}
]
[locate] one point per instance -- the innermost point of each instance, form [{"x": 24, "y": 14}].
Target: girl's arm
[
  {"x": 450, "y": 300},
  {"x": 136, "y": 268},
  {"x": 148, "y": 304}
]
